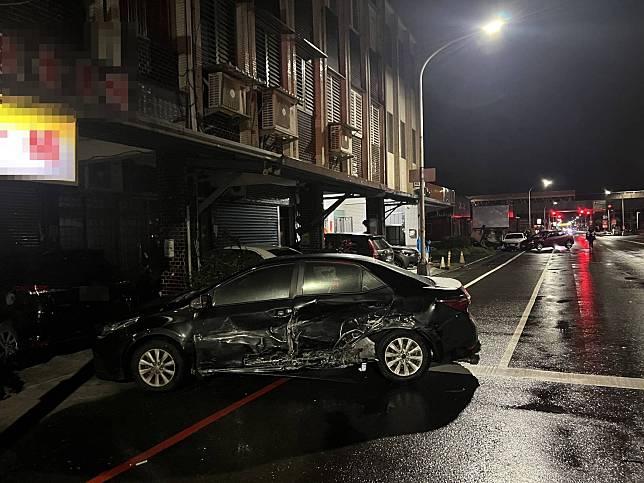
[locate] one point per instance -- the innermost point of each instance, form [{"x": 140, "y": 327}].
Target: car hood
[{"x": 446, "y": 283}]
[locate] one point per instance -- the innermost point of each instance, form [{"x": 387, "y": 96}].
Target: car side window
[
  {"x": 331, "y": 278},
  {"x": 270, "y": 283},
  {"x": 370, "y": 282}
]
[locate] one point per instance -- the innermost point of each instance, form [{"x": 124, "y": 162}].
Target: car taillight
[
  {"x": 374, "y": 250},
  {"x": 460, "y": 303}
]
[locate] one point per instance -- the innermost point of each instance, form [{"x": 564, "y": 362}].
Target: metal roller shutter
[
  {"x": 20, "y": 219},
  {"x": 246, "y": 223}
]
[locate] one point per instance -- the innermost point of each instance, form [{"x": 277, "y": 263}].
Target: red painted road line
[{"x": 181, "y": 435}]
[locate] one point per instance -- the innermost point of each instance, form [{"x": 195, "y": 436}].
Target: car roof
[{"x": 261, "y": 251}]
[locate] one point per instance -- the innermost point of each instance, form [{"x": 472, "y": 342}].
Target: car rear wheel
[
  {"x": 569, "y": 244},
  {"x": 158, "y": 365},
  {"x": 8, "y": 342},
  {"x": 403, "y": 356}
]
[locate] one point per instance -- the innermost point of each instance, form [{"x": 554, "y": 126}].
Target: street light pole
[
  {"x": 423, "y": 263},
  {"x": 490, "y": 28},
  {"x": 530, "y": 225},
  {"x": 623, "y": 224}
]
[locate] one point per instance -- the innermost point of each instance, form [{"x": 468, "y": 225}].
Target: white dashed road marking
[
  {"x": 514, "y": 340},
  {"x": 492, "y": 271}
]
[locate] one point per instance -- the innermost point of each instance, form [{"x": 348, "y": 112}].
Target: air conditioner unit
[
  {"x": 279, "y": 114},
  {"x": 339, "y": 141},
  {"x": 226, "y": 94}
]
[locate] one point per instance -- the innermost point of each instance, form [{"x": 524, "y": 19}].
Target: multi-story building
[{"x": 201, "y": 122}]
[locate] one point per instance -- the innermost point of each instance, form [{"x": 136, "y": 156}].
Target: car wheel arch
[
  {"x": 147, "y": 337},
  {"x": 431, "y": 341}
]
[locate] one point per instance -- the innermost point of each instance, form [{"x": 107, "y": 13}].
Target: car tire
[
  {"x": 158, "y": 365},
  {"x": 569, "y": 245},
  {"x": 9, "y": 342},
  {"x": 539, "y": 246},
  {"x": 403, "y": 356}
]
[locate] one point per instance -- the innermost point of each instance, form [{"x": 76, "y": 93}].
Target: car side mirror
[{"x": 201, "y": 302}]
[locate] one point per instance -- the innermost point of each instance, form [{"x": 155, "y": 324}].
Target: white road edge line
[
  {"x": 546, "y": 376},
  {"x": 514, "y": 340},
  {"x": 478, "y": 279},
  {"x": 633, "y": 241},
  {"x": 472, "y": 263}
]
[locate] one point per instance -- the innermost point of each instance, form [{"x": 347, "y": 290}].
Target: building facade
[{"x": 204, "y": 122}]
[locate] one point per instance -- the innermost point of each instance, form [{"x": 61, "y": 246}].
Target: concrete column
[
  {"x": 376, "y": 215},
  {"x": 172, "y": 223},
  {"x": 309, "y": 217}
]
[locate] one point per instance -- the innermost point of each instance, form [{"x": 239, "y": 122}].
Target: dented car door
[
  {"x": 248, "y": 319},
  {"x": 335, "y": 304}
]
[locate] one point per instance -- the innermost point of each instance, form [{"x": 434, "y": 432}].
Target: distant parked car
[
  {"x": 58, "y": 297},
  {"x": 255, "y": 254},
  {"x": 405, "y": 257},
  {"x": 374, "y": 246},
  {"x": 307, "y": 312},
  {"x": 513, "y": 241},
  {"x": 549, "y": 239}
]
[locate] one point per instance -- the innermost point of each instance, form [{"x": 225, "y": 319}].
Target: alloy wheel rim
[
  {"x": 403, "y": 356},
  {"x": 8, "y": 345},
  {"x": 157, "y": 367}
]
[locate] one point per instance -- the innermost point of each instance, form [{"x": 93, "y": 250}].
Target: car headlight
[{"x": 108, "y": 329}]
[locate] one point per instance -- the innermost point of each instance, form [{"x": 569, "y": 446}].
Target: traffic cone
[
  {"x": 461, "y": 260},
  {"x": 449, "y": 259},
  {"x": 442, "y": 263}
]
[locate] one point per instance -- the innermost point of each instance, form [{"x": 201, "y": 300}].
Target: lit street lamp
[
  {"x": 491, "y": 28},
  {"x": 546, "y": 183}
]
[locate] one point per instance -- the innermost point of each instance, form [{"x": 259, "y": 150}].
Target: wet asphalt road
[{"x": 560, "y": 399}]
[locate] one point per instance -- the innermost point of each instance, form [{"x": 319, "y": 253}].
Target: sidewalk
[{"x": 38, "y": 381}]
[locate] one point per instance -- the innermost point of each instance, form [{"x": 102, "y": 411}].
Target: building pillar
[
  {"x": 376, "y": 215},
  {"x": 309, "y": 218},
  {"x": 173, "y": 198}
]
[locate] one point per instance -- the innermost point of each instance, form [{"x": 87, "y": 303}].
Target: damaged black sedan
[{"x": 295, "y": 313}]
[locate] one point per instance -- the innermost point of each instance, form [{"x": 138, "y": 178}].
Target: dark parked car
[
  {"x": 405, "y": 257},
  {"x": 374, "y": 246},
  {"x": 57, "y": 297},
  {"x": 304, "y": 312},
  {"x": 546, "y": 239}
]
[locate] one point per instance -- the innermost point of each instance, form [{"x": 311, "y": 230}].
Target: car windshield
[{"x": 513, "y": 236}]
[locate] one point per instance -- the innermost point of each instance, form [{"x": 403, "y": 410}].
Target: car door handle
[{"x": 281, "y": 312}]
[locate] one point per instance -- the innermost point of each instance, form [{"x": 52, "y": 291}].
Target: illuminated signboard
[{"x": 37, "y": 141}]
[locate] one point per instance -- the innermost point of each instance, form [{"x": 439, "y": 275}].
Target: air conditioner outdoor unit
[
  {"x": 226, "y": 94},
  {"x": 339, "y": 141},
  {"x": 279, "y": 114}
]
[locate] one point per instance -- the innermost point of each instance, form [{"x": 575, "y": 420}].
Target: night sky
[{"x": 560, "y": 94}]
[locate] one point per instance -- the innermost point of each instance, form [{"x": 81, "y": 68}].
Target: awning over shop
[{"x": 208, "y": 151}]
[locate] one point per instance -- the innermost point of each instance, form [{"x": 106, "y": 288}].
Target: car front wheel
[
  {"x": 403, "y": 356},
  {"x": 8, "y": 342},
  {"x": 158, "y": 365},
  {"x": 569, "y": 245},
  {"x": 539, "y": 246}
]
